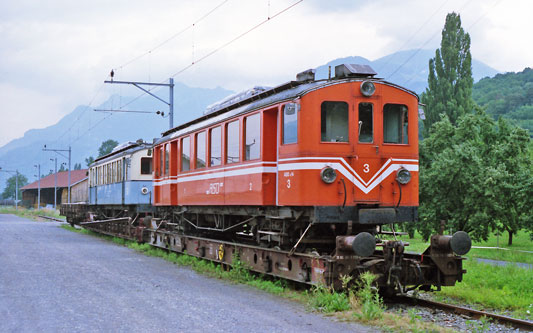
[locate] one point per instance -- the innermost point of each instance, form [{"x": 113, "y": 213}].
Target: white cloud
[{"x": 56, "y": 54}]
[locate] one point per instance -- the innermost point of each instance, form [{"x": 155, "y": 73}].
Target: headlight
[
  {"x": 403, "y": 176},
  {"x": 328, "y": 175},
  {"x": 367, "y": 88}
]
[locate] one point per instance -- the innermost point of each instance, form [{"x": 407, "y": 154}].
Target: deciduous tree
[
  {"x": 9, "y": 190},
  {"x": 106, "y": 147},
  {"x": 476, "y": 176}
]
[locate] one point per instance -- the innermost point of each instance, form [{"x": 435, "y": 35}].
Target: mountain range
[{"x": 86, "y": 129}]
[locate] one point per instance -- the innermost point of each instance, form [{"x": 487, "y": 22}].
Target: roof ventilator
[
  {"x": 354, "y": 70},
  {"x": 308, "y": 75}
]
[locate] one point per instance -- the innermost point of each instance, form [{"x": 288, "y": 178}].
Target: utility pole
[
  {"x": 170, "y": 102},
  {"x": 55, "y": 182},
  {"x": 38, "y": 166},
  {"x": 69, "y": 158},
  {"x": 16, "y": 186}
]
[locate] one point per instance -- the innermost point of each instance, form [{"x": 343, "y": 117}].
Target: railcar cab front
[{"x": 353, "y": 137}]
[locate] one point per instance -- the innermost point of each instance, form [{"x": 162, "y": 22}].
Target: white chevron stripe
[{"x": 338, "y": 164}]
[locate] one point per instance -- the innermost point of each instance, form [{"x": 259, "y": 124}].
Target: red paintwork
[{"x": 299, "y": 187}]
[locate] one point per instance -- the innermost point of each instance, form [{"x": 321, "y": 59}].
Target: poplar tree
[{"x": 450, "y": 80}]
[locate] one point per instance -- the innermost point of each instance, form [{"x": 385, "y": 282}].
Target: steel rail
[
  {"x": 476, "y": 314},
  {"x": 51, "y": 218}
]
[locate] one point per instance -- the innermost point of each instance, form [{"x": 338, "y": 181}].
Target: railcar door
[
  {"x": 270, "y": 148},
  {"x": 367, "y": 160}
]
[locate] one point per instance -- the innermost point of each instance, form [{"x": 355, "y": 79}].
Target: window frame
[
  {"x": 402, "y": 134},
  {"x": 210, "y": 146},
  {"x": 196, "y": 135},
  {"x": 227, "y": 141},
  {"x": 161, "y": 161},
  {"x": 245, "y": 139},
  {"x": 297, "y": 111},
  {"x": 359, "y": 119},
  {"x": 182, "y": 144},
  {"x": 347, "y": 122},
  {"x": 150, "y": 164}
]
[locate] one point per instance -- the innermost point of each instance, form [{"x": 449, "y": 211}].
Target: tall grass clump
[
  {"x": 367, "y": 298},
  {"x": 327, "y": 300}
]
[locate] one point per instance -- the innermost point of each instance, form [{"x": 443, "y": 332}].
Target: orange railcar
[{"x": 341, "y": 152}]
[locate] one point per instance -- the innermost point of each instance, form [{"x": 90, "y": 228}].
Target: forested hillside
[{"x": 509, "y": 95}]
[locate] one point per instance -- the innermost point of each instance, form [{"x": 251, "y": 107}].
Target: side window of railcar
[
  {"x": 161, "y": 160},
  {"x": 200, "y": 150},
  {"x": 146, "y": 165},
  {"x": 232, "y": 142},
  {"x": 167, "y": 159},
  {"x": 395, "y": 124},
  {"x": 366, "y": 123},
  {"x": 290, "y": 123},
  {"x": 186, "y": 154},
  {"x": 334, "y": 122},
  {"x": 252, "y": 128},
  {"x": 215, "y": 147},
  {"x": 114, "y": 172}
]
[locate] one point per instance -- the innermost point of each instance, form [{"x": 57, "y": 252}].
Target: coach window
[
  {"x": 232, "y": 142},
  {"x": 161, "y": 160},
  {"x": 186, "y": 154},
  {"x": 395, "y": 124},
  {"x": 200, "y": 150},
  {"x": 366, "y": 124},
  {"x": 112, "y": 174},
  {"x": 215, "y": 147},
  {"x": 290, "y": 123},
  {"x": 334, "y": 122},
  {"x": 252, "y": 127},
  {"x": 167, "y": 159},
  {"x": 146, "y": 165}
]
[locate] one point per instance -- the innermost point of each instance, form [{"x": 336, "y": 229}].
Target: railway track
[
  {"x": 476, "y": 314},
  {"x": 51, "y": 218}
]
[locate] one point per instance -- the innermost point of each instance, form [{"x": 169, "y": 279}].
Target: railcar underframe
[{"x": 312, "y": 258}]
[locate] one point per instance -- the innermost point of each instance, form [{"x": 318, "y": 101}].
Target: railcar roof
[
  {"x": 285, "y": 92},
  {"x": 127, "y": 150}
]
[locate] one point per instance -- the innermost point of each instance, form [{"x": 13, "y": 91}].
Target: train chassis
[{"x": 308, "y": 260}]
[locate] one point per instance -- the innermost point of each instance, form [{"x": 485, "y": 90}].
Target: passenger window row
[
  {"x": 109, "y": 173},
  {"x": 205, "y": 147}
]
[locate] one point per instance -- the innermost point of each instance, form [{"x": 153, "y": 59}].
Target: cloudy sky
[{"x": 55, "y": 54}]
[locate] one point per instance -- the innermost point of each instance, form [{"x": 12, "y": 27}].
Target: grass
[
  {"x": 521, "y": 242},
  {"x": 505, "y": 288},
  {"x": 31, "y": 213}
]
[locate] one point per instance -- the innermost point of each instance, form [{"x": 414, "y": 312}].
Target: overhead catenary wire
[
  {"x": 173, "y": 36},
  {"x": 218, "y": 49},
  {"x": 149, "y": 52},
  {"x": 181, "y": 70},
  {"x": 81, "y": 113},
  {"x": 420, "y": 48},
  {"x": 432, "y": 37},
  {"x": 415, "y": 33}
]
